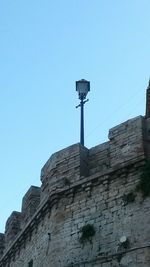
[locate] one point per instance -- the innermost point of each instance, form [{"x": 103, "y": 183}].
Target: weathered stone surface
[
  {"x": 126, "y": 141},
  {"x": 99, "y": 158},
  {"x": 2, "y": 244},
  {"x": 64, "y": 168}
]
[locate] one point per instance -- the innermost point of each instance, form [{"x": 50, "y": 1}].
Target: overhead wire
[{"x": 120, "y": 107}]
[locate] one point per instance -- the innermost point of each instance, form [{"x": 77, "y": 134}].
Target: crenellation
[
  {"x": 13, "y": 227},
  {"x": 64, "y": 168},
  {"x": 30, "y": 203},
  {"x": 125, "y": 145}
]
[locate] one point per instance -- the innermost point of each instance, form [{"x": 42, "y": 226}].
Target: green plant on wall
[
  {"x": 129, "y": 198},
  {"x": 66, "y": 181},
  {"x": 87, "y": 232},
  {"x": 144, "y": 183}
]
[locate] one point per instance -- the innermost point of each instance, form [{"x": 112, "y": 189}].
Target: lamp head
[{"x": 82, "y": 87}]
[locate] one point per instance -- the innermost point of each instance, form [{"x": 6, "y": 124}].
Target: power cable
[{"x": 120, "y": 107}]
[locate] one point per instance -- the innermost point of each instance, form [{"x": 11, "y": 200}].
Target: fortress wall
[
  {"x": 56, "y": 240},
  {"x": 85, "y": 186}
]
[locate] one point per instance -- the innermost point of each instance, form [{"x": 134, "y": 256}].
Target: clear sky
[{"x": 45, "y": 46}]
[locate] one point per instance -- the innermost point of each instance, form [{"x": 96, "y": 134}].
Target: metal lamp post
[{"x": 82, "y": 87}]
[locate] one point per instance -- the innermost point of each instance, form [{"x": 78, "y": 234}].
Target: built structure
[{"x": 91, "y": 209}]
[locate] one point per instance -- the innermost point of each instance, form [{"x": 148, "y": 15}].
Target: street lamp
[{"x": 82, "y": 87}]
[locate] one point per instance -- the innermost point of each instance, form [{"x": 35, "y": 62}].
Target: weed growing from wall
[
  {"x": 66, "y": 182},
  {"x": 87, "y": 232},
  {"x": 129, "y": 198},
  {"x": 144, "y": 183},
  {"x": 143, "y": 186}
]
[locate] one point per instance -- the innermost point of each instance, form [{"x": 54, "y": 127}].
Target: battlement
[
  {"x": 30, "y": 202},
  {"x": 64, "y": 168},
  {"x": 72, "y": 164},
  {"x": 128, "y": 143},
  {"x": 13, "y": 227}
]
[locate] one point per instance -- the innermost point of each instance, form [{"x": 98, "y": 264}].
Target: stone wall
[
  {"x": 82, "y": 187},
  {"x": 2, "y": 244}
]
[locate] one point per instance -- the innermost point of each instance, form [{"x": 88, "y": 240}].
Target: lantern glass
[{"x": 82, "y": 87}]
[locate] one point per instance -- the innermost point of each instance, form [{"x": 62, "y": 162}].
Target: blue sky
[{"x": 45, "y": 46}]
